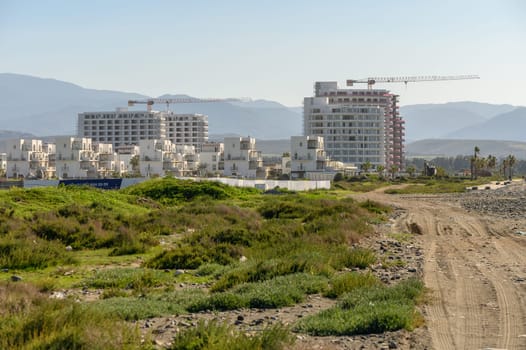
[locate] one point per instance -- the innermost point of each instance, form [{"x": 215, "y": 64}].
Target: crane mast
[{"x": 408, "y": 79}]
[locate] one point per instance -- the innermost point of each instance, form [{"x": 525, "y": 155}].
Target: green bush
[
  {"x": 274, "y": 293},
  {"x": 213, "y": 335},
  {"x": 348, "y": 282},
  {"x": 24, "y": 253},
  {"x": 370, "y": 309},
  {"x": 32, "y": 321},
  {"x": 129, "y": 278}
]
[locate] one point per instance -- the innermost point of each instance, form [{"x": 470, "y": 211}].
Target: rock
[
  {"x": 243, "y": 258},
  {"x": 69, "y": 248},
  {"x": 240, "y": 318},
  {"x": 5, "y": 270},
  {"x": 392, "y": 344},
  {"x": 178, "y": 272},
  {"x": 16, "y": 278}
]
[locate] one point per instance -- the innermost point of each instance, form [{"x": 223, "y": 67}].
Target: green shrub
[
  {"x": 31, "y": 321},
  {"x": 213, "y": 335},
  {"x": 370, "y": 309},
  {"x": 25, "y": 252},
  {"x": 348, "y": 282},
  {"x": 129, "y": 278}
]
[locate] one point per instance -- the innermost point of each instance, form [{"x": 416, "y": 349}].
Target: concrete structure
[
  {"x": 211, "y": 158},
  {"x": 26, "y": 158},
  {"x": 241, "y": 157},
  {"x": 187, "y": 129},
  {"x": 162, "y": 157},
  {"x": 358, "y": 125},
  {"x": 75, "y": 158},
  {"x": 307, "y": 156},
  {"x": 124, "y": 127}
]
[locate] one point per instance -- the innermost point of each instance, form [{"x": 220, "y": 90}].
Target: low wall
[
  {"x": 270, "y": 184},
  {"x": 264, "y": 185}
]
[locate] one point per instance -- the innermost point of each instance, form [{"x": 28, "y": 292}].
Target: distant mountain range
[
  {"x": 44, "y": 107},
  {"x": 50, "y": 107}
]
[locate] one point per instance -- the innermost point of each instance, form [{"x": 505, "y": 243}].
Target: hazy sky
[{"x": 270, "y": 49}]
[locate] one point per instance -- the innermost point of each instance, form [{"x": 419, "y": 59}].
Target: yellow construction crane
[
  {"x": 151, "y": 101},
  {"x": 413, "y": 79}
]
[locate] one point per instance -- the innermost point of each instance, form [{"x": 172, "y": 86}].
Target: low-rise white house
[
  {"x": 75, "y": 158},
  {"x": 241, "y": 157},
  {"x": 211, "y": 158},
  {"x": 26, "y": 158},
  {"x": 307, "y": 156}
]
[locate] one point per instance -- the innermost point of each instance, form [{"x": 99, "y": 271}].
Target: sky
[{"x": 270, "y": 49}]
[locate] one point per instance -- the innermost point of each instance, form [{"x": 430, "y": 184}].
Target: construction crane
[
  {"x": 414, "y": 79},
  {"x": 151, "y": 101}
]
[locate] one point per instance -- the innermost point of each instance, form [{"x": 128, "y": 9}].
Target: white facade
[
  {"x": 307, "y": 156},
  {"x": 187, "y": 129},
  {"x": 211, "y": 158},
  {"x": 241, "y": 157},
  {"x": 358, "y": 125},
  {"x": 123, "y": 127},
  {"x": 26, "y": 158},
  {"x": 75, "y": 158}
]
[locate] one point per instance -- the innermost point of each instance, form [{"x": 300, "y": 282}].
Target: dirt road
[{"x": 475, "y": 268}]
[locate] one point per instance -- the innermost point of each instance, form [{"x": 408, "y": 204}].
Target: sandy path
[{"x": 473, "y": 271}]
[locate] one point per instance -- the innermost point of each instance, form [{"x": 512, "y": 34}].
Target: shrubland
[{"x": 243, "y": 248}]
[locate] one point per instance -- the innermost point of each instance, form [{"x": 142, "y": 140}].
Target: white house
[
  {"x": 75, "y": 158},
  {"x": 307, "y": 156},
  {"x": 241, "y": 157}
]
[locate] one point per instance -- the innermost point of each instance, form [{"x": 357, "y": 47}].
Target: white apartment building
[
  {"x": 3, "y": 163},
  {"x": 75, "y": 158},
  {"x": 307, "y": 156},
  {"x": 241, "y": 157},
  {"x": 26, "y": 158},
  {"x": 162, "y": 157},
  {"x": 187, "y": 129},
  {"x": 211, "y": 158},
  {"x": 124, "y": 127},
  {"x": 358, "y": 125}
]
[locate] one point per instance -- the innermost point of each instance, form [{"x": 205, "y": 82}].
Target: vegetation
[
  {"x": 139, "y": 248},
  {"x": 370, "y": 309},
  {"x": 214, "y": 335}
]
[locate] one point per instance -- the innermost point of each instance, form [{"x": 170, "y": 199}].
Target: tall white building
[
  {"x": 358, "y": 125},
  {"x": 124, "y": 127}
]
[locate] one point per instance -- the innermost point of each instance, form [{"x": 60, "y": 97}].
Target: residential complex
[
  {"x": 358, "y": 125},
  {"x": 123, "y": 127}
]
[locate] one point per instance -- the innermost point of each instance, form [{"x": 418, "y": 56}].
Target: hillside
[
  {"x": 443, "y": 120},
  {"x": 506, "y": 126},
  {"x": 452, "y": 148},
  {"x": 50, "y": 107}
]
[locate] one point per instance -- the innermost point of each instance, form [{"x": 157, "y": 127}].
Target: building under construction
[{"x": 358, "y": 125}]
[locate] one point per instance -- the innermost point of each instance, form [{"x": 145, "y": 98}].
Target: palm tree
[
  {"x": 380, "y": 169},
  {"x": 476, "y": 151},
  {"x": 411, "y": 170},
  {"x": 366, "y": 166},
  {"x": 511, "y": 163},
  {"x": 393, "y": 170},
  {"x": 491, "y": 162}
]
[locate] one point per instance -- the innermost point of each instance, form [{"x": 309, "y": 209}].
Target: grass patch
[
  {"x": 33, "y": 321},
  {"x": 374, "y": 309},
  {"x": 147, "y": 306},
  {"x": 275, "y": 293},
  {"x": 348, "y": 282},
  {"x": 128, "y": 278},
  {"x": 213, "y": 335}
]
